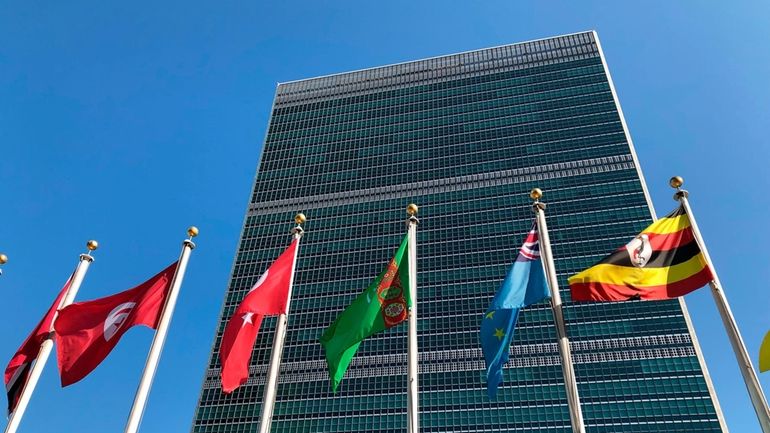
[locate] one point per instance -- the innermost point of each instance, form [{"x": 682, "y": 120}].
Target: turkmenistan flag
[
  {"x": 382, "y": 305},
  {"x": 662, "y": 262}
]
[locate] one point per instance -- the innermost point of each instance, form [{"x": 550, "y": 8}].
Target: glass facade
[{"x": 466, "y": 137}]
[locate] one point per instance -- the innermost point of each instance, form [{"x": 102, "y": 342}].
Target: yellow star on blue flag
[{"x": 523, "y": 285}]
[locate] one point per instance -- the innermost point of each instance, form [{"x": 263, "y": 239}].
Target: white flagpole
[
  {"x": 143, "y": 391},
  {"x": 271, "y": 383},
  {"x": 741, "y": 354},
  {"x": 413, "y": 396},
  {"x": 3, "y": 260},
  {"x": 568, "y": 369},
  {"x": 45, "y": 348}
]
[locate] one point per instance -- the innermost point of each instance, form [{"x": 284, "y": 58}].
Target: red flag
[
  {"x": 17, "y": 371},
  {"x": 86, "y": 332},
  {"x": 268, "y": 296}
]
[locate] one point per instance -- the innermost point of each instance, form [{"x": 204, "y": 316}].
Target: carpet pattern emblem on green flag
[{"x": 382, "y": 305}]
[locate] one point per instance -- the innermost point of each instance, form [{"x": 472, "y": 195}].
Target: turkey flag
[
  {"x": 86, "y": 332},
  {"x": 17, "y": 371},
  {"x": 268, "y": 296}
]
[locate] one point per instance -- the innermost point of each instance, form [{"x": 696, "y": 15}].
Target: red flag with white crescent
[
  {"x": 268, "y": 296},
  {"x": 86, "y": 332},
  {"x": 17, "y": 371}
]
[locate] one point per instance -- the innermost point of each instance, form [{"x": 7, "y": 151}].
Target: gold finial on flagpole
[
  {"x": 536, "y": 194},
  {"x": 676, "y": 182},
  {"x": 412, "y": 209},
  {"x": 91, "y": 245},
  {"x": 299, "y": 219},
  {"x": 3, "y": 259},
  {"x": 192, "y": 231}
]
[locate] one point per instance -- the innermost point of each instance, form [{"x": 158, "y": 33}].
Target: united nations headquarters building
[{"x": 466, "y": 137}]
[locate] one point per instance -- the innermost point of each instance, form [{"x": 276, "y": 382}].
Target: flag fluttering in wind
[
  {"x": 86, "y": 332},
  {"x": 382, "y": 305},
  {"x": 662, "y": 262},
  {"x": 268, "y": 296},
  {"x": 17, "y": 371},
  {"x": 764, "y": 354},
  {"x": 523, "y": 285}
]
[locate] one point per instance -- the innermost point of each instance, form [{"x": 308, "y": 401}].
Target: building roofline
[{"x": 433, "y": 57}]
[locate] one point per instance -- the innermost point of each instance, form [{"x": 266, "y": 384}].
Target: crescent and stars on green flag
[{"x": 382, "y": 305}]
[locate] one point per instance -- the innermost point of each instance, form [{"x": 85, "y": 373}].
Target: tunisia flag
[
  {"x": 268, "y": 296},
  {"x": 86, "y": 332},
  {"x": 17, "y": 371}
]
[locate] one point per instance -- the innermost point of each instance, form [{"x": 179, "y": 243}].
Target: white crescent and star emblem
[
  {"x": 260, "y": 281},
  {"x": 247, "y": 319},
  {"x": 116, "y": 318},
  {"x": 640, "y": 250}
]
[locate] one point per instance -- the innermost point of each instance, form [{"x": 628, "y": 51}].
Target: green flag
[{"x": 382, "y": 305}]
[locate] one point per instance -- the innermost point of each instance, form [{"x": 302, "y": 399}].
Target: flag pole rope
[
  {"x": 271, "y": 383},
  {"x": 153, "y": 357},
  {"x": 739, "y": 347},
  {"x": 568, "y": 369},
  {"x": 413, "y": 394},
  {"x": 45, "y": 349}
]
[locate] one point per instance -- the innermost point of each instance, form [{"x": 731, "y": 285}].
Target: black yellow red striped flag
[{"x": 662, "y": 262}]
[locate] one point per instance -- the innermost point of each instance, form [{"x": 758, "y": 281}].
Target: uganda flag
[{"x": 662, "y": 262}]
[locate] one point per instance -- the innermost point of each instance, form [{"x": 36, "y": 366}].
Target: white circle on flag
[
  {"x": 116, "y": 318},
  {"x": 640, "y": 250}
]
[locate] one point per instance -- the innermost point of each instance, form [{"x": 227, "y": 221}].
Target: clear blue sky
[{"x": 127, "y": 122}]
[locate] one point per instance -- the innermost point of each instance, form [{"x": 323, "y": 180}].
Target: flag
[
  {"x": 662, "y": 262},
  {"x": 17, "y": 371},
  {"x": 524, "y": 285},
  {"x": 86, "y": 332},
  {"x": 382, "y": 305},
  {"x": 764, "y": 354},
  {"x": 269, "y": 295}
]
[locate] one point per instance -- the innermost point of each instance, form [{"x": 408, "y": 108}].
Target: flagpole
[
  {"x": 568, "y": 369},
  {"x": 741, "y": 354},
  {"x": 45, "y": 348},
  {"x": 413, "y": 396},
  {"x": 3, "y": 260},
  {"x": 143, "y": 391},
  {"x": 271, "y": 383}
]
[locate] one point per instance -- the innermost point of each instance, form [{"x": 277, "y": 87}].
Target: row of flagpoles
[
  {"x": 86, "y": 332},
  {"x": 643, "y": 269},
  {"x": 666, "y": 260}
]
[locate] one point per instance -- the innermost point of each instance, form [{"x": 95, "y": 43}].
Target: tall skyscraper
[{"x": 465, "y": 136}]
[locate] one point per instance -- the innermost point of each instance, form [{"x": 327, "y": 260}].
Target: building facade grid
[{"x": 465, "y": 136}]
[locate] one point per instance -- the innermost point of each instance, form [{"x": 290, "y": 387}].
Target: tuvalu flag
[
  {"x": 662, "y": 262},
  {"x": 524, "y": 285},
  {"x": 384, "y": 304},
  {"x": 86, "y": 332},
  {"x": 17, "y": 371}
]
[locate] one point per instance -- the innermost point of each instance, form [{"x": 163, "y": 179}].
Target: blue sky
[{"x": 127, "y": 122}]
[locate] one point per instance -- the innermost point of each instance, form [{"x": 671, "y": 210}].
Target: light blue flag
[{"x": 523, "y": 285}]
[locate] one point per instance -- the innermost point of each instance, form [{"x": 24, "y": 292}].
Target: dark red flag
[
  {"x": 86, "y": 332},
  {"x": 268, "y": 296},
  {"x": 17, "y": 371}
]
